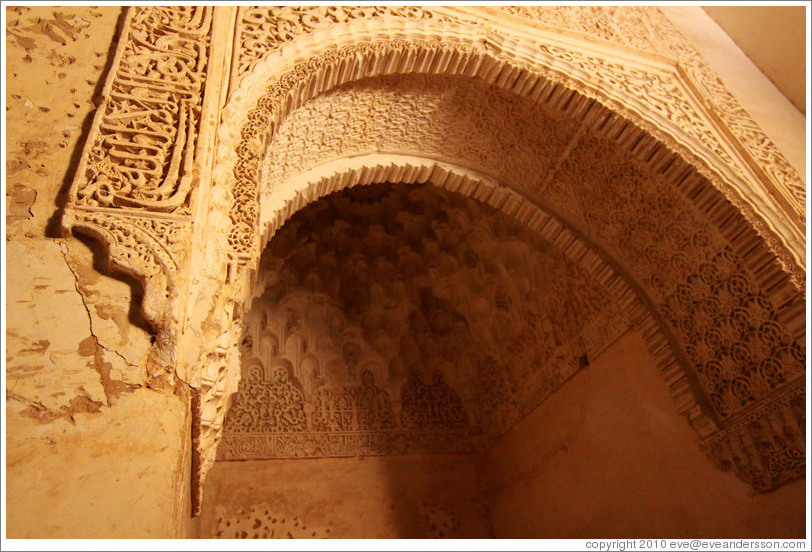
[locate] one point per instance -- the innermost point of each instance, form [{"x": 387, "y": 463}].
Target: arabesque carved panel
[
  {"x": 648, "y": 29},
  {"x": 708, "y": 295},
  {"x": 263, "y": 29},
  {"x": 142, "y": 153}
]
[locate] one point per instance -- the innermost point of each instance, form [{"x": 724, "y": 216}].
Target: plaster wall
[
  {"x": 432, "y": 496},
  {"x": 607, "y": 456},
  {"x": 782, "y": 56},
  {"x": 90, "y": 451}
]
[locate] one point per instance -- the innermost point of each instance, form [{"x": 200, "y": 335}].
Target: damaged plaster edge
[
  {"x": 81, "y": 403},
  {"x": 112, "y": 388}
]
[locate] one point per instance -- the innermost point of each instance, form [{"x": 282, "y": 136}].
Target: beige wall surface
[
  {"x": 607, "y": 456},
  {"x": 432, "y": 496},
  {"x": 780, "y": 120},
  {"x": 774, "y": 37},
  {"x": 90, "y": 451}
]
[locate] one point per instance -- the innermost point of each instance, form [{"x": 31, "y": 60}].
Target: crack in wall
[{"x": 112, "y": 388}]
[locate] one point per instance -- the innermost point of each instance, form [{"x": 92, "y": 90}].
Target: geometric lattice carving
[{"x": 732, "y": 331}]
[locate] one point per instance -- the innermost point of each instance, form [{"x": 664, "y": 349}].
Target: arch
[
  {"x": 282, "y": 83},
  {"x": 554, "y": 74},
  {"x": 641, "y": 111},
  {"x": 726, "y": 440}
]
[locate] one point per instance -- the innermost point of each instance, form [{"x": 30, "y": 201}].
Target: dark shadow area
[
  {"x": 101, "y": 264},
  {"x": 398, "y": 331},
  {"x": 53, "y": 228}
]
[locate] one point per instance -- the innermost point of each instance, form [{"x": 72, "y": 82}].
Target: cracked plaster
[{"x": 85, "y": 441}]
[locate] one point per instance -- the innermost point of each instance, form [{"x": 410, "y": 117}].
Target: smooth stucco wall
[{"x": 607, "y": 456}]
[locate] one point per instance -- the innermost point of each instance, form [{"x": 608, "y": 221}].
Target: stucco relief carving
[
  {"x": 133, "y": 184},
  {"x": 146, "y": 247},
  {"x": 142, "y": 152},
  {"x": 139, "y": 168},
  {"x": 391, "y": 314},
  {"x": 679, "y": 121},
  {"x": 261, "y": 30},
  {"x": 767, "y": 447},
  {"x": 650, "y": 30},
  {"x": 708, "y": 294}
]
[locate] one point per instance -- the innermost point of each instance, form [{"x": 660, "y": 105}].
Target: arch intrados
[
  {"x": 626, "y": 292},
  {"x": 312, "y": 64}
]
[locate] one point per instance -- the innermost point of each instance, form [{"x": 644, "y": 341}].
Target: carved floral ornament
[{"x": 538, "y": 124}]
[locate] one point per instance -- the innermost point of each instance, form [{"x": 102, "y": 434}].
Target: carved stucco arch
[
  {"x": 646, "y": 104},
  {"x": 282, "y": 82},
  {"x": 648, "y": 91}
]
